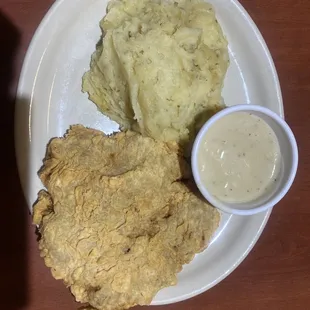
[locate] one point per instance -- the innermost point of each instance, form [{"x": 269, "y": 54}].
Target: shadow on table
[{"x": 13, "y": 257}]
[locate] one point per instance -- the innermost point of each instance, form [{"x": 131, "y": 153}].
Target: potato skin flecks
[{"x": 159, "y": 67}]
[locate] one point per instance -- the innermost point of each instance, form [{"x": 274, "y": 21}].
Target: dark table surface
[{"x": 276, "y": 274}]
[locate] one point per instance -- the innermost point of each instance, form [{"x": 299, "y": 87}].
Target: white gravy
[{"x": 239, "y": 158}]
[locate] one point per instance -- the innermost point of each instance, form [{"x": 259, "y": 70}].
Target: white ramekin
[{"x": 288, "y": 169}]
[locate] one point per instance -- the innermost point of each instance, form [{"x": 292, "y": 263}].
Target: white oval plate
[{"x": 49, "y": 100}]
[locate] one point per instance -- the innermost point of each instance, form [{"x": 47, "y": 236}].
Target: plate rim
[{"x": 53, "y": 8}]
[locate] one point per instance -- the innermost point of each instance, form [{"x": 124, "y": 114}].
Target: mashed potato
[{"x": 159, "y": 67}]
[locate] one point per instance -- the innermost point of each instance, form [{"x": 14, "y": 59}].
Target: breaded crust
[{"x": 117, "y": 224}]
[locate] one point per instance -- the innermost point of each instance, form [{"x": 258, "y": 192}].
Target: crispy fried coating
[{"x": 116, "y": 221}]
